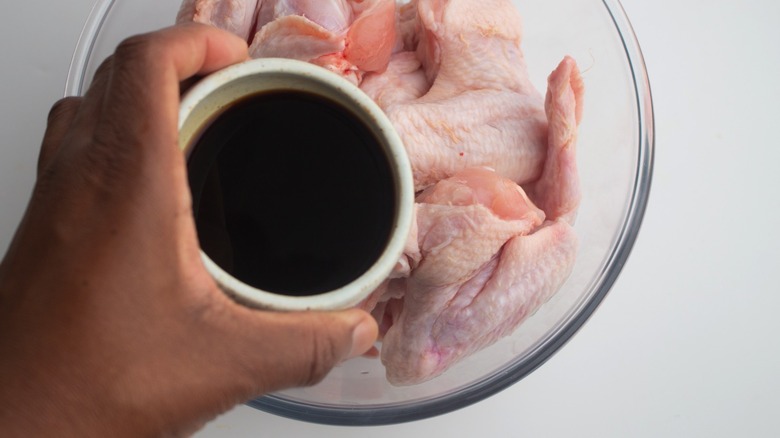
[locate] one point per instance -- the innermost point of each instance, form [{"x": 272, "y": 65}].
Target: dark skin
[{"x": 109, "y": 323}]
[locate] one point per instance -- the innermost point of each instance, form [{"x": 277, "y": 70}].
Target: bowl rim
[{"x": 386, "y": 414}]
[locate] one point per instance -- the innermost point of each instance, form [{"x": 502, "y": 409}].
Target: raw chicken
[
  {"x": 479, "y": 107},
  {"x": 557, "y": 191},
  {"x": 488, "y": 257},
  {"x": 349, "y": 37},
  {"x": 403, "y": 82},
  {"x": 331, "y": 15},
  {"x": 236, "y": 16}
]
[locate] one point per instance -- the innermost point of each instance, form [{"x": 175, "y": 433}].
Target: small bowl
[
  {"x": 211, "y": 96},
  {"x": 615, "y": 159}
]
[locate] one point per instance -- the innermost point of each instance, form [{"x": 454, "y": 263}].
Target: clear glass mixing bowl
[{"x": 615, "y": 156}]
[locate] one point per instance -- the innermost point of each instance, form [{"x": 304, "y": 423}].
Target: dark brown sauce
[{"x": 292, "y": 194}]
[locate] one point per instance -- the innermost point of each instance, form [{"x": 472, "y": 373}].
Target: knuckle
[
  {"x": 63, "y": 107},
  {"x": 106, "y": 168},
  {"x": 140, "y": 49},
  {"x": 134, "y": 46},
  {"x": 105, "y": 67}
]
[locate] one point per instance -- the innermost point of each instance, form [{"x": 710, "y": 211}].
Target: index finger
[{"x": 141, "y": 101}]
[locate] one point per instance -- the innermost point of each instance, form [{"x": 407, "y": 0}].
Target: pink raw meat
[
  {"x": 488, "y": 256},
  {"x": 236, "y": 16},
  {"x": 349, "y": 37},
  {"x": 331, "y": 15},
  {"x": 557, "y": 192},
  {"x": 479, "y": 107}
]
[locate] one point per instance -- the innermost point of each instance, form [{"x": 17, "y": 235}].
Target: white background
[{"x": 685, "y": 345}]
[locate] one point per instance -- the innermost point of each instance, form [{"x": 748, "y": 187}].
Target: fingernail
[{"x": 363, "y": 337}]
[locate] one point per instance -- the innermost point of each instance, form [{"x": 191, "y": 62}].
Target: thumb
[{"x": 300, "y": 348}]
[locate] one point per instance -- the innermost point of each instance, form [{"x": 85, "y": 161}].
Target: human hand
[{"x": 109, "y": 323}]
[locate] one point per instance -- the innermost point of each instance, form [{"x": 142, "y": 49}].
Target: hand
[{"x": 109, "y": 323}]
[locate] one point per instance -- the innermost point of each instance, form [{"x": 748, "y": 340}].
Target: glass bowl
[{"x": 615, "y": 157}]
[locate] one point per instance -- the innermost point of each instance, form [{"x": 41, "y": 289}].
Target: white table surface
[{"x": 685, "y": 345}]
